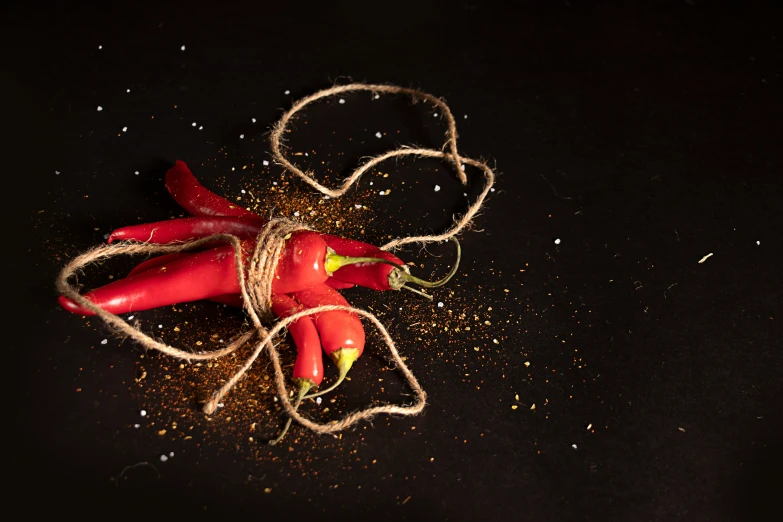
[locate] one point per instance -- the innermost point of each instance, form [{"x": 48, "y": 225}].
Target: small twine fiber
[{"x": 256, "y": 287}]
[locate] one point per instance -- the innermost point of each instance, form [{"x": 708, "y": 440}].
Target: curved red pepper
[
  {"x": 337, "y": 284},
  {"x": 157, "y": 261},
  {"x": 369, "y": 275},
  {"x": 190, "y": 278},
  {"x": 186, "y": 229},
  {"x": 342, "y": 333},
  {"x": 197, "y": 199},
  {"x": 308, "y": 368},
  {"x": 207, "y": 274},
  {"x": 309, "y": 359}
]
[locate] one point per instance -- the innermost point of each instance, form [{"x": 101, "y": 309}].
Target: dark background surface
[{"x": 642, "y": 138}]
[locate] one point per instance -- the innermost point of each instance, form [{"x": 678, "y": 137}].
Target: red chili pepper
[
  {"x": 197, "y": 199},
  {"x": 157, "y": 261},
  {"x": 337, "y": 284},
  {"x": 208, "y": 274},
  {"x": 389, "y": 275},
  {"x": 370, "y": 275},
  {"x": 309, "y": 367},
  {"x": 187, "y": 229},
  {"x": 341, "y": 332},
  {"x": 197, "y": 276},
  {"x": 234, "y": 300}
]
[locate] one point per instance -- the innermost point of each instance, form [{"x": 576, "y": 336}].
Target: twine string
[{"x": 255, "y": 281}]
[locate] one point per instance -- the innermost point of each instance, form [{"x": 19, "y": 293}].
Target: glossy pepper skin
[
  {"x": 338, "y": 329},
  {"x": 186, "y": 229},
  {"x": 309, "y": 358},
  {"x": 207, "y": 274},
  {"x": 197, "y": 276},
  {"x": 368, "y": 275},
  {"x": 197, "y": 199},
  {"x": 189, "y": 229}
]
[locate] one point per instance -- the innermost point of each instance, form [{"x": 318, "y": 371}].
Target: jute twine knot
[{"x": 256, "y": 286}]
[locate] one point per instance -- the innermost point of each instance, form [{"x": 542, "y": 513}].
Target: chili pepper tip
[{"x": 343, "y": 359}]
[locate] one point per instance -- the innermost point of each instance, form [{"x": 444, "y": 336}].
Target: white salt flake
[
  {"x": 377, "y": 96},
  {"x": 265, "y": 163},
  {"x": 164, "y": 458},
  {"x": 200, "y": 127},
  {"x": 182, "y": 48},
  {"x": 437, "y": 188},
  {"x": 318, "y": 400},
  {"x": 130, "y": 317},
  {"x": 557, "y": 241},
  {"x": 757, "y": 242},
  {"x": 105, "y": 341},
  {"x": 137, "y": 426},
  {"x": 342, "y": 101},
  {"x": 589, "y": 425},
  {"x": 160, "y": 326},
  {"x": 243, "y": 191},
  {"x": 171, "y": 454},
  {"x": 220, "y": 405},
  {"x": 253, "y": 120},
  {"x": 434, "y": 114},
  {"x": 143, "y": 413},
  {"x": 296, "y": 214},
  {"x": 274, "y": 183},
  {"x": 465, "y": 194},
  {"x": 100, "y": 108},
  {"x": 127, "y": 90},
  {"x": 377, "y": 134},
  {"x": 125, "y": 129},
  {"x": 241, "y": 136},
  {"x": 440, "y": 304},
  {"x": 383, "y": 193},
  {"x": 57, "y": 173},
  {"x": 492, "y": 189},
  {"x": 371, "y": 183},
  {"x": 100, "y": 47},
  {"x": 357, "y": 205},
  {"x": 136, "y": 172},
  {"x": 573, "y": 446},
  {"x": 193, "y": 124},
  {"x": 287, "y": 92},
  {"x": 106, "y": 236},
  {"x": 466, "y": 116}
]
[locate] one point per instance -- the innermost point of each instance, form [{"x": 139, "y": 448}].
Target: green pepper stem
[
  {"x": 398, "y": 278},
  {"x": 304, "y": 386},
  {"x": 415, "y": 291},
  {"x": 335, "y": 261},
  {"x": 344, "y": 359}
]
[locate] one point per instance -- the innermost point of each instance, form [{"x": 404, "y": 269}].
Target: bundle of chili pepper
[{"x": 309, "y": 271}]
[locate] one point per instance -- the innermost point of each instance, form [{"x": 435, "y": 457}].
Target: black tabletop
[{"x": 608, "y": 350}]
